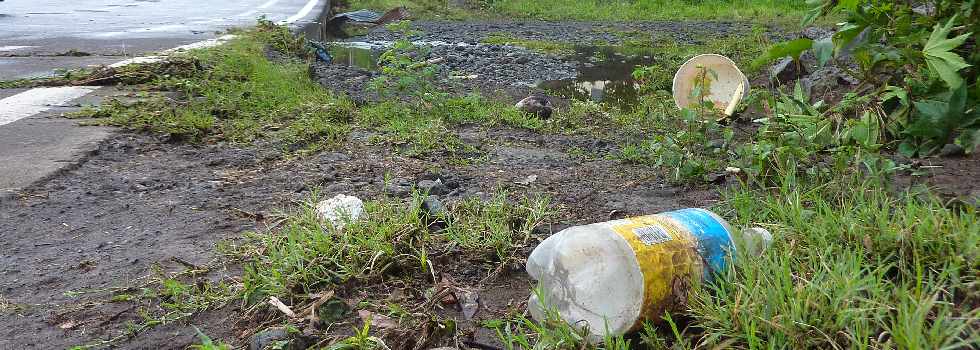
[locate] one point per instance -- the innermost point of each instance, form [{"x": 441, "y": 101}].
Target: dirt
[{"x": 141, "y": 204}]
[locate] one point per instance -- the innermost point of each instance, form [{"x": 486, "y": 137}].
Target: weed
[
  {"x": 851, "y": 267},
  {"x": 783, "y": 11},
  {"x": 393, "y": 238},
  {"x": 207, "y": 343}
]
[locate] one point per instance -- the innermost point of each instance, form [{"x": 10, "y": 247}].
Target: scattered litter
[
  {"x": 340, "y": 209},
  {"x": 652, "y": 260},
  {"x": 713, "y": 78},
  {"x": 536, "y": 104},
  {"x": 755, "y": 240},
  {"x": 369, "y": 17},
  {"x": 322, "y": 55},
  {"x": 321, "y": 298},
  {"x": 464, "y": 77}
]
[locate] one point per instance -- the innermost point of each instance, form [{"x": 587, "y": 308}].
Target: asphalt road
[
  {"x": 36, "y": 35},
  {"x": 36, "y": 142}
]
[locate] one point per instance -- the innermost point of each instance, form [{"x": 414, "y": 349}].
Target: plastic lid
[{"x": 722, "y": 80}]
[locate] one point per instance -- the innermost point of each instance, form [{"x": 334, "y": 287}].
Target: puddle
[
  {"x": 364, "y": 57},
  {"x": 605, "y": 75}
]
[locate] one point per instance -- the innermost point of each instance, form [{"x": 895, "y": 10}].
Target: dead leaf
[
  {"x": 282, "y": 307},
  {"x": 320, "y": 299},
  {"x": 70, "y": 324}
]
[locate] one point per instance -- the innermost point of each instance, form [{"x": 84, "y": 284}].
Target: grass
[
  {"x": 852, "y": 266},
  {"x": 727, "y": 10},
  {"x": 782, "y": 11},
  {"x": 394, "y": 239}
]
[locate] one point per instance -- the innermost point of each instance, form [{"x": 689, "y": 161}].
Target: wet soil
[
  {"x": 590, "y": 68},
  {"x": 139, "y": 205}
]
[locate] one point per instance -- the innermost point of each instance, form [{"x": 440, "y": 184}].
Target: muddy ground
[
  {"x": 141, "y": 204},
  {"x": 469, "y": 64}
]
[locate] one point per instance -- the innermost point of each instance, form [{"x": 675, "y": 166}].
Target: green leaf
[
  {"x": 824, "y": 50},
  {"x": 907, "y": 148},
  {"x": 792, "y": 48},
  {"x": 845, "y": 35},
  {"x": 969, "y": 140},
  {"x": 939, "y": 56}
]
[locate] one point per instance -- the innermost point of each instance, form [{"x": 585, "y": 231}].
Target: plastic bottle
[{"x": 611, "y": 276}]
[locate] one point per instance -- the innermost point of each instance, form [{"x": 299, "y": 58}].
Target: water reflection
[{"x": 605, "y": 75}]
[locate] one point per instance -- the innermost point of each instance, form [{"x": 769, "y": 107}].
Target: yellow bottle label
[{"x": 668, "y": 259}]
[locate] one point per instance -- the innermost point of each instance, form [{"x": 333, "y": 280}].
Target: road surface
[{"x": 39, "y": 37}]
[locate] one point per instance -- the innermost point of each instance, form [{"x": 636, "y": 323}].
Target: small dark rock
[
  {"x": 433, "y": 187},
  {"x": 787, "y": 70},
  {"x": 952, "y": 150},
  {"x": 266, "y": 337},
  {"x": 716, "y": 143},
  {"x": 536, "y": 104},
  {"x": 433, "y": 206}
]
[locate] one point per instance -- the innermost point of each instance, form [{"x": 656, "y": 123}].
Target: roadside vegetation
[
  {"x": 857, "y": 261},
  {"x": 782, "y": 11}
]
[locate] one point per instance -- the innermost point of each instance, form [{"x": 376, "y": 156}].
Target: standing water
[{"x": 605, "y": 75}]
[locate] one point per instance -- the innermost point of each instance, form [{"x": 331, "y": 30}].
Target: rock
[
  {"x": 816, "y": 33},
  {"x": 340, "y": 210},
  {"x": 952, "y": 150},
  {"x": 433, "y": 187},
  {"x": 716, "y": 144},
  {"x": 266, "y": 337},
  {"x": 433, "y": 207},
  {"x": 826, "y": 79},
  {"x": 522, "y": 60},
  {"x": 927, "y": 9},
  {"x": 786, "y": 70},
  {"x": 536, "y": 104}
]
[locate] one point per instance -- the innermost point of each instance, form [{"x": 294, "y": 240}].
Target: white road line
[
  {"x": 302, "y": 12},
  {"x": 198, "y": 45},
  {"x": 268, "y": 3},
  {"x": 38, "y": 100}
]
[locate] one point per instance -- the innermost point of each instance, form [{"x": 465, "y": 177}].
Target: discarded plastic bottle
[{"x": 613, "y": 275}]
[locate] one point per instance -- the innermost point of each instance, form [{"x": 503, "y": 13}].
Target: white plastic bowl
[{"x": 723, "y": 85}]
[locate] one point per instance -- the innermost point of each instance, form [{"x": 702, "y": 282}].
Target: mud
[
  {"x": 467, "y": 64},
  {"x": 140, "y": 205}
]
